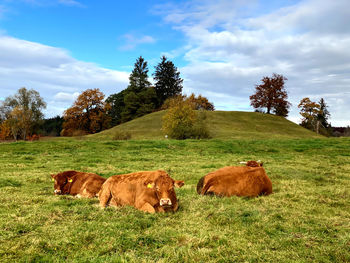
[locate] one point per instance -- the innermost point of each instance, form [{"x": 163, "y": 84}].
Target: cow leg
[
  {"x": 147, "y": 208},
  {"x": 86, "y": 193}
]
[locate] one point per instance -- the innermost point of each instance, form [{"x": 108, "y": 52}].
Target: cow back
[{"x": 236, "y": 180}]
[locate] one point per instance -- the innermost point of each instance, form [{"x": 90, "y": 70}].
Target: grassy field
[
  {"x": 221, "y": 124},
  {"x": 307, "y": 219}
]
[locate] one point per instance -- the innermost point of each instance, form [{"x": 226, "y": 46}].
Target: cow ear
[
  {"x": 52, "y": 175},
  {"x": 149, "y": 184},
  {"x": 179, "y": 184}
]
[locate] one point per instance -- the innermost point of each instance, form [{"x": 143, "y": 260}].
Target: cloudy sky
[{"x": 222, "y": 48}]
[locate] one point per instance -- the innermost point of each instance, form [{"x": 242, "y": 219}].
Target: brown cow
[
  {"x": 149, "y": 191},
  {"x": 77, "y": 183},
  {"x": 236, "y": 180}
]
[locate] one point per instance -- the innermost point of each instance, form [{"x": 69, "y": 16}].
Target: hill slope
[{"x": 222, "y": 125}]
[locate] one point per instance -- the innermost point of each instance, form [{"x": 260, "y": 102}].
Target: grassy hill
[{"x": 222, "y": 125}]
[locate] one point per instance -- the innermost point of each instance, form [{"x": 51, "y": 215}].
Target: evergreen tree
[
  {"x": 168, "y": 81},
  {"x": 139, "y": 97},
  {"x": 116, "y": 101},
  {"x": 138, "y": 80},
  {"x": 324, "y": 113}
]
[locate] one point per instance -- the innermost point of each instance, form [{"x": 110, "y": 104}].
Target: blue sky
[
  {"x": 222, "y": 48},
  {"x": 103, "y": 32}
]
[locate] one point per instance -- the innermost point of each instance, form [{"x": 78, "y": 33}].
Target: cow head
[
  {"x": 61, "y": 182},
  {"x": 253, "y": 163},
  {"x": 164, "y": 189}
]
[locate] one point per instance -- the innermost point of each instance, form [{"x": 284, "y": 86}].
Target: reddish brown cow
[
  {"x": 77, "y": 183},
  {"x": 236, "y": 180},
  {"x": 149, "y": 191}
]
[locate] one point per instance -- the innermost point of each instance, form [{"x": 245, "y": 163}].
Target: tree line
[{"x": 21, "y": 115}]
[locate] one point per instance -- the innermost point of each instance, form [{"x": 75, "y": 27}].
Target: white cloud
[
  {"x": 52, "y": 72},
  {"x": 131, "y": 41},
  {"x": 229, "y": 49},
  {"x": 66, "y": 97}
]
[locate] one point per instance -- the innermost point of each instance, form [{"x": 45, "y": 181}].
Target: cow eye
[{"x": 157, "y": 188}]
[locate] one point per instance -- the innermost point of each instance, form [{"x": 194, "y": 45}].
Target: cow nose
[
  {"x": 57, "y": 192},
  {"x": 165, "y": 202}
]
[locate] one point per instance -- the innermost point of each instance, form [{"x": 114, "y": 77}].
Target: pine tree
[
  {"x": 138, "y": 80},
  {"x": 168, "y": 81},
  {"x": 139, "y": 97},
  {"x": 324, "y": 114},
  {"x": 116, "y": 101}
]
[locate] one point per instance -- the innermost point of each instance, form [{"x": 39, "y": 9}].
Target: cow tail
[
  {"x": 105, "y": 195},
  {"x": 200, "y": 185}
]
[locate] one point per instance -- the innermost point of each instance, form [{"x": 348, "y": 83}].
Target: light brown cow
[
  {"x": 236, "y": 180},
  {"x": 77, "y": 183},
  {"x": 149, "y": 191}
]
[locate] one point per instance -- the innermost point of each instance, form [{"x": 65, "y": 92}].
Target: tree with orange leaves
[
  {"x": 271, "y": 95},
  {"x": 5, "y": 130},
  {"x": 87, "y": 115}
]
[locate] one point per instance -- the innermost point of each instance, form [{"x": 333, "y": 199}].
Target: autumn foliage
[
  {"x": 21, "y": 113},
  {"x": 197, "y": 103},
  {"x": 182, "y": 121},
  {"x": 5, "y": 130},
  {"x": 271, "y": 95},
  {"x": 87, "y": 115}
]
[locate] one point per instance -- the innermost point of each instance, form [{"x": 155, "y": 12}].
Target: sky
[{"x": 222, "y": 48}]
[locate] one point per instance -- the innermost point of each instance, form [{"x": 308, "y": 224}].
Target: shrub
[
  {"x": 182, "y": 122},
  {"x": 121, "y": 135}
]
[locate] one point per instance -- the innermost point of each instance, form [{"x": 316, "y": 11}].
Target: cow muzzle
[
  {"x": 165, "y": 202},
  {"x": 57, "y": 192}
]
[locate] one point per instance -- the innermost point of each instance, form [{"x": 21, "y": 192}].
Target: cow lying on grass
[
  {"x": 236, "y": 180},
  {"x": 77, "y": 183},
  {"x": 149, "y": 191}
]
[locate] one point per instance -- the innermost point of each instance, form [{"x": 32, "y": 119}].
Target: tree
[
  {"x": 271, "y": 95},
  {"x": 168, "y": 81},
  {"x": 88, "y": 113},
  {"x": 324, "y": 114},
  {"x": 138, "y": 80},
  {"x": 309, "y": 110},
  {"x": 5, "y": 130},
  {"x": 52, "y": 126},
  {"x": 24, "y": 110},
  {"x": 139, "y": 97},
  {"x": 116, "y": 101},
  {"x": 200, "y": 103},
  {"x": 315, "y": 116},
  {"x": 197, "y": 103},
  {"x": 181, "y": 121}
]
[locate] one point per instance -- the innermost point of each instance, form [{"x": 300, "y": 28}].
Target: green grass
[
  {"x": 307, "y": 219},
  {"x": 222, "y": 125}
]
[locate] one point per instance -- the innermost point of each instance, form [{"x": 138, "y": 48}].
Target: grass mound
[{"x": 222, "y": 125}]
